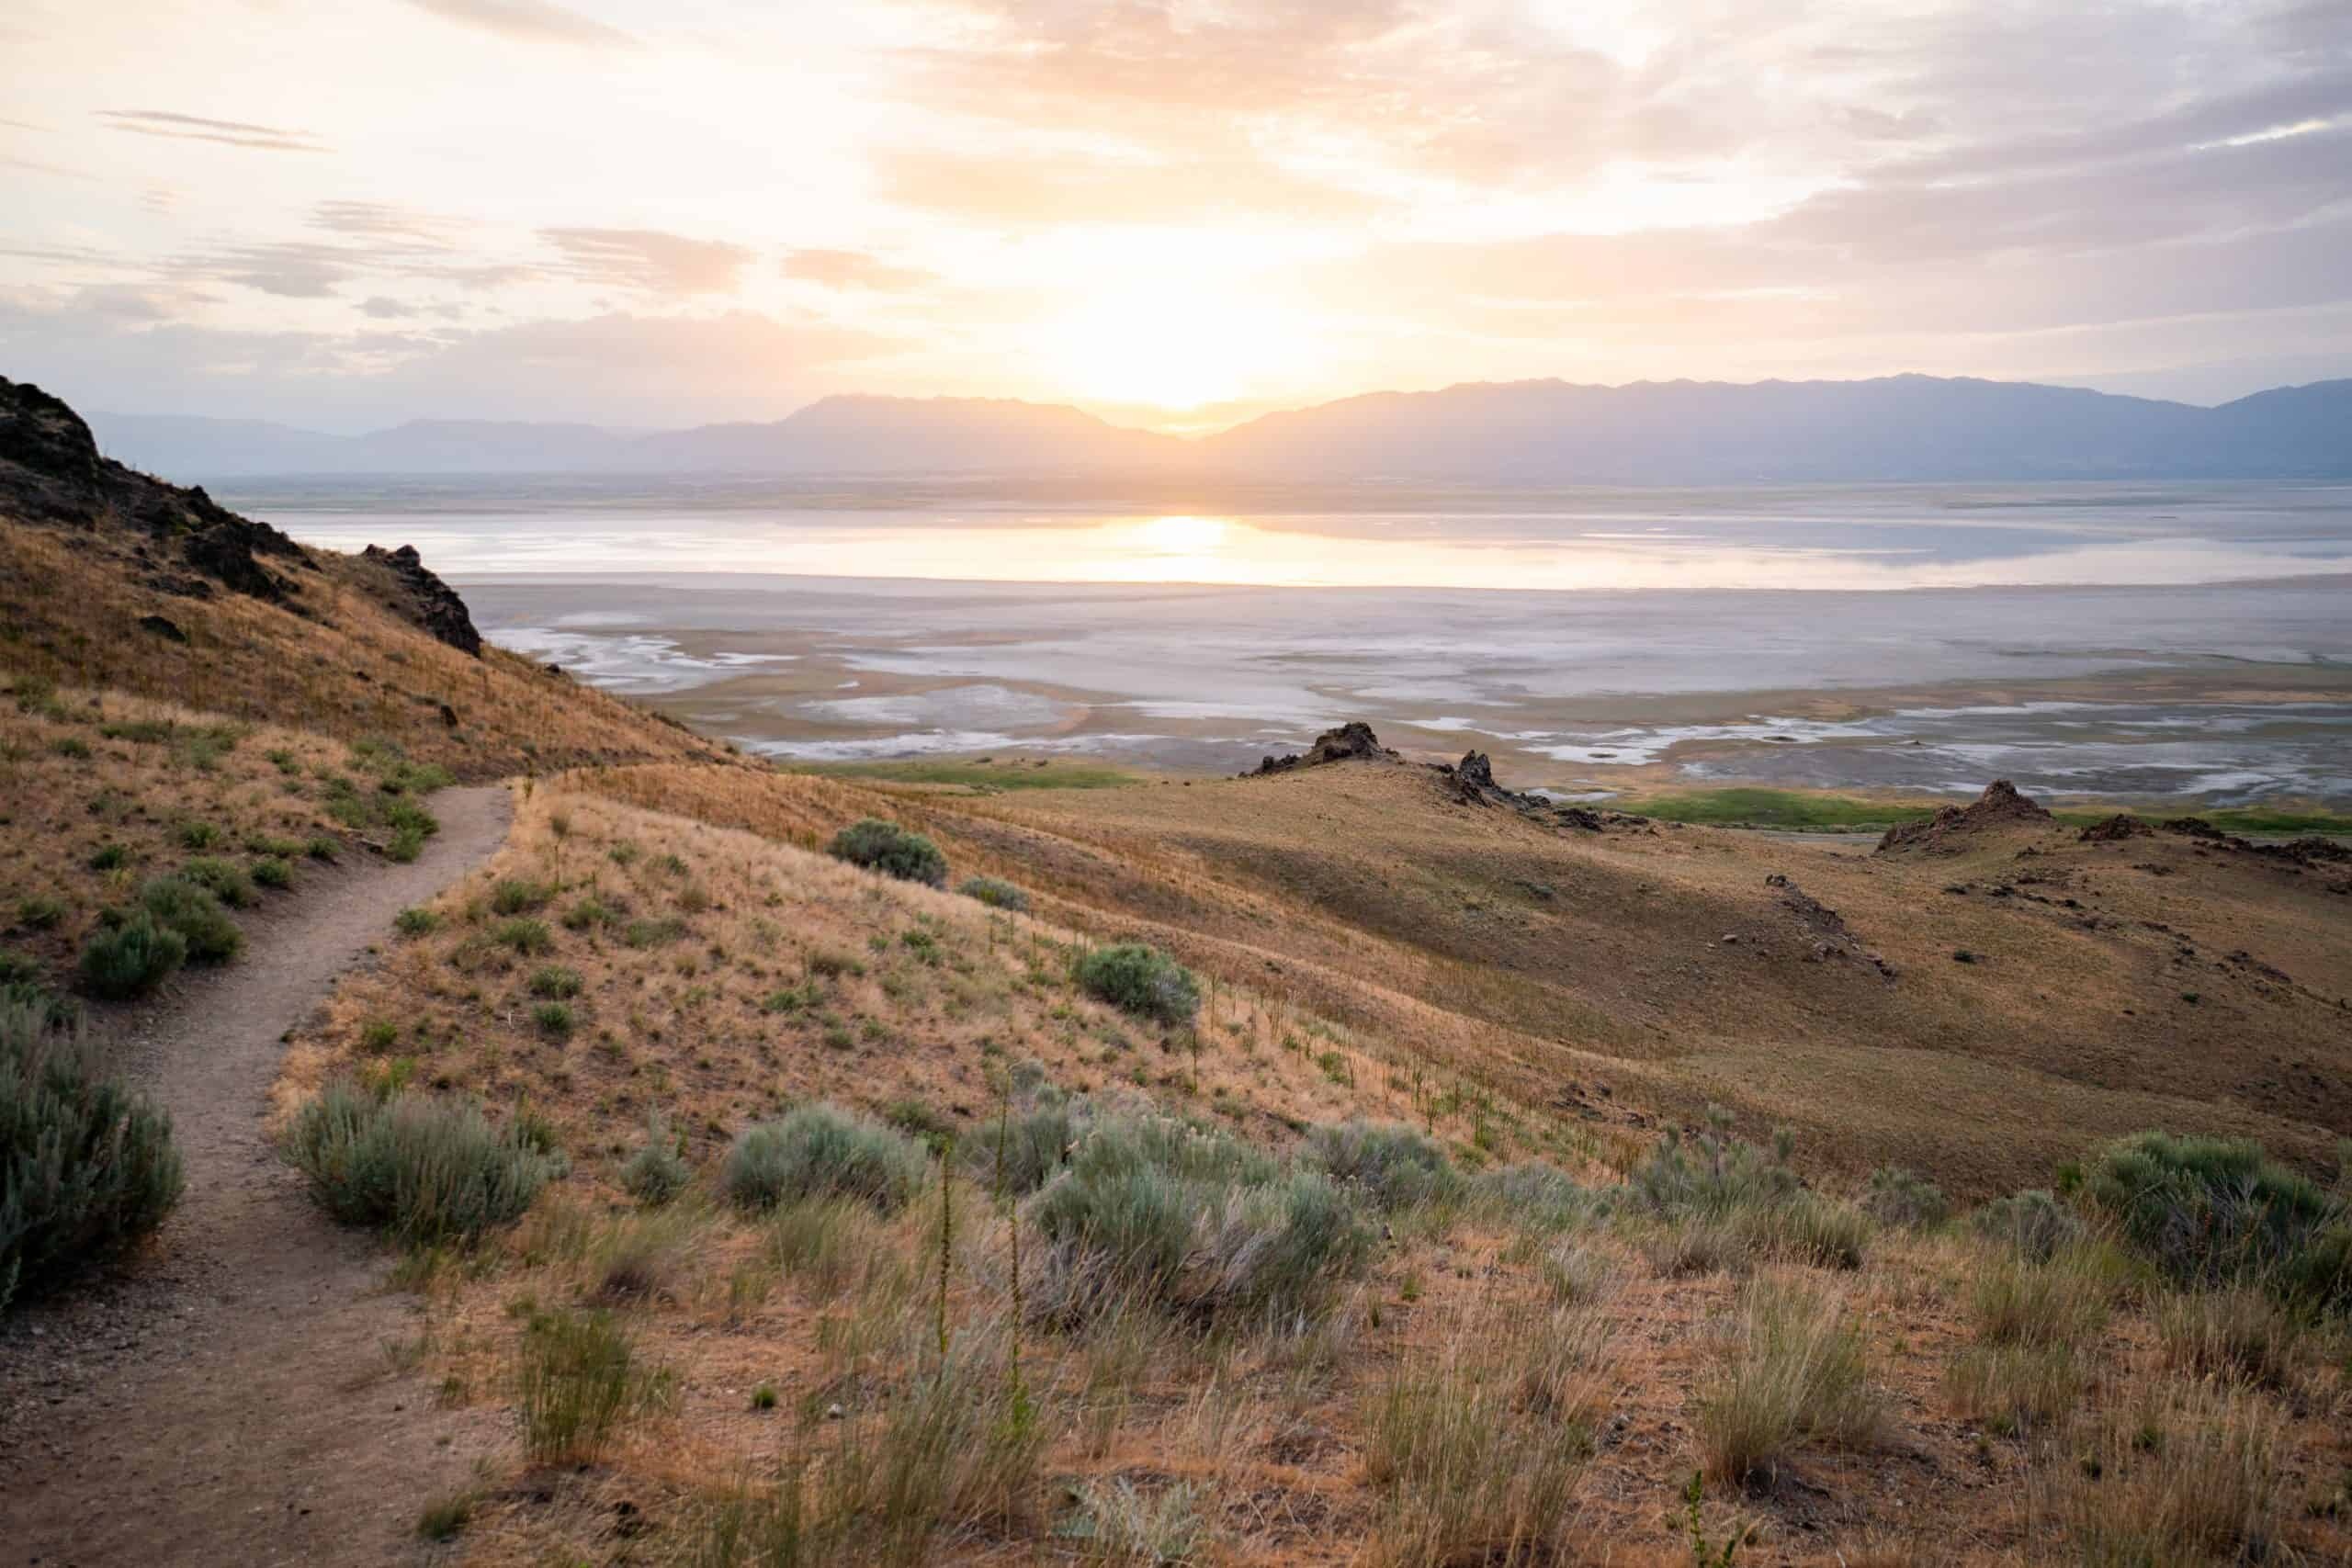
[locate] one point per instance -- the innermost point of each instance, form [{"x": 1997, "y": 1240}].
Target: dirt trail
[{"x": 232, "y": 1398}]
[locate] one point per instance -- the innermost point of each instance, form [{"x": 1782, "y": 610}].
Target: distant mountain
[
  {"x": 1901, "y": 428},
  {"x": 1897, "y": 429}
]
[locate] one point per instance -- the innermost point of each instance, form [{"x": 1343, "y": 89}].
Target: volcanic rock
[
  {"x": 2116, "y": 828},
  {"x": 1999, "y": 807},
  {"x": 1352, "y": 741},
  {"x": 423, "y": 598}
]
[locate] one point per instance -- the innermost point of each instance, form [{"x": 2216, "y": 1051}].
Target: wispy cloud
[
  {"x": 227, "y": 133},
  {"x": 649, "y": 259},
  {"x": 854, "y": 269},
  {"x": 532, "y": 21}
]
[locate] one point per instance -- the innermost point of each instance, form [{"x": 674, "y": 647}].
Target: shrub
[
  {"x": 109, "y": 857},
  {"x": 90, "y": 1165},
  {"x": 523, "y": 934},
  {"x": 553, "y": 1017},
  {"x": 416, "y": 922},
  {"x": 555, "y": 980},
  {"x": 514, "y": 897},
  {"x": 2219, "y": 1210},
  {"x": 1795, "y": 1375},
  {"x": 1140, "y": 980},
  {"x": 891, "y": 850},
  {"x": 1899, "y": 1196},
  {"x": 1713, "y": 1173},
  {"x": 1190, "y": 1221},
  {"x": 653, "y": 933},
  {"x": 996, "y": 893},
  {"x": 577, "y": 1376},
  {"x": 1536, "y": 1196},
  {"x": 199, "y": 835},
  {"x": 405, "y": 845},
  {"x": 2033, "y": 1222},
  {"x": 589, "y": 914},
  {"x": 1393, "y": 1166},
  {"x": 1025, "y": 1149},
  {"x": 273, "y": 871},
  {"x": 817, "y": 1150},
  {"x": 323, "y": 848},
  {"x": 224, "y": 879},
  {"x": 131, "y": 958},
  {"x": 1808, "y": 1228},
  {"x": 427, "y": 1171},
  {"x": 192, "y": 911},
  {"x": 658, "y": 1172}
]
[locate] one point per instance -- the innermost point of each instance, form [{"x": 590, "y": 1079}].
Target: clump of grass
[
  {"x": 1795, "y": 1375},
  {"x": 416, "y": 922},
  {"x": 1535, "y": 1196},
  {"x": 517, "y": 896},
  {"x": 91, "y": 1166},
  {"x": 2062, "y": 1302},
  {"x": 445, "y": 1518},
  {"x": 129, "y": 957},
  {"x": 996, "y": 893},
  {"x": 524, "y": 935},
  {"x": 1734, "y": 1200},
  {"x": 577, "y": 1378},
  {"x": 590, "y": 914},
  {"x": 2238, "y": 1332},
  {"x": 2014, "y": 1387},
  {"x": 426, "y": 1171},
  {"x": 817, "y": 1150},
  {"x": 891, "y": 850},
  {"x": 658, "y": 1171},
  {"x": 553, "y": 1018},
  {"x": 273, "y": 871},
  {"x": 1390, "y": 1164},
  {"x": 1900, "y": 1197},
  {"x": 43, "y": 911},
  {"x": 555, "y": 981},
  {"x": 1141, "y": 980},
  {"x": 950, "y": 1453},
  {"x": 653, "y": 933},
  {"x": 1121, "y": 1524},
  {"x": 2197, "y": 1478},
  {"x": 1467, "y": 1473}
]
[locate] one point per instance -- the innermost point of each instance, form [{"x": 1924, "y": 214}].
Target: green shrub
[
  {"x": 109, "y": 857},
  {"x": 90, "y": 1165},
  {"x": 653, "y": 933},
  {"x": 416, "y": 922},
  {"x": 996, "y": 893},
  {"x": 577, "y": 1377},
  {"x": 427, "y": 1171},
  {"x": 523, "y": 934},
  {"x": 1536, "y": 1196},
  {"x": 184, "y": 906},
  {"x": 2034, "y": 1222},
  {"x": 817, "y": 1151},
  {"x": 555, "y": 980},
  {"x": 658, "y": 1172},
  {"x": 553, "y": 1017},
  {"x": 1193, "y": 1221},
  {"x": 1023, "y": 1149},
  {"x": 2219, "y": 1210},
  {"x": 405, "y": 845},
  {"x": 199, "y": 835},
  {"x": 1393, "y": 1166},
  {"x": 1899, "y": 1196},
  {"x": 273, "y": 871},
  {"x": 224, "y": 879},
  {"x": 1140, "y": 980},
  {"x": 589, "y": 914},
  {"x": 1713, "y": 1173},
  {"x": 131, "y": 957},
  {"x": 891, "y": 850},
  {"x": 323, "y": 848},
  {"x": 515, "y": 897}
]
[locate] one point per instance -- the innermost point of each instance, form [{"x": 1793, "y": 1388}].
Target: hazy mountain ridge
[{"x": 1892, "y": 429}]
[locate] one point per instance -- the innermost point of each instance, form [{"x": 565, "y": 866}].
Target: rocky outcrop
[
  {"x": 181, "y": 541},
  {"x": 1832, "y": 939},
  {"x": 1351, "y": 742},
  {"x": 1949, "y": 829},
  {"x": 2116, "y": 828},
  {"x": 423, "y": 600}
]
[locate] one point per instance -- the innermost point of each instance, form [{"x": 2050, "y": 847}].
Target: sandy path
[{"x": 230, "y": 1399}]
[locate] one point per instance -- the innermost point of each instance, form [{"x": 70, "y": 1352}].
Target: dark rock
[
  {"x": 1352, "y": 741},
  {"x": 448, "y": 716},
  {"x": 2116, "y": 828},
  {"x": 166, "y": 629},
  {"x": 425, "y": 600},
  {"x": 1999, "y": 807}
]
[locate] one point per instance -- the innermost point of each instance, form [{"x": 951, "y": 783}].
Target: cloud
[
  {"x": 384, "y": 308},
  {"x": 227, "y": 132},
  {"x": 529, "y": 21},
  {"x": 649, "y": 259},
  {"x": 853, "y": 269},
  {"x": 1045, "y": 187}
]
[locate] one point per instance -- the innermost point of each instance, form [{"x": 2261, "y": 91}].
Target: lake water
[{"x": 2188, "y": 643}]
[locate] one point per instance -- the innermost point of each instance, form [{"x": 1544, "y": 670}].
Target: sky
[{"x": 1172, "y": 213}]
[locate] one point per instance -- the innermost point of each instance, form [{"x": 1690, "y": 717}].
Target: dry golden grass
[
  {"x": 343, "y": 667},
  {"x": 1474, "y": 1395}
]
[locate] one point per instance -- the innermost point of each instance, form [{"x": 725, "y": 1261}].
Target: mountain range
[{"x": 1893, "y": 429}]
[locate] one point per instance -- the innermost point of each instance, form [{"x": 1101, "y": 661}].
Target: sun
[{"x": 1167, "y": 347}]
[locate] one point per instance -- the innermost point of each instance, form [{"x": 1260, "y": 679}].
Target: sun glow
[
  {"x": 1183, "y": 536},
  {"x": 1169, "y": 346}
]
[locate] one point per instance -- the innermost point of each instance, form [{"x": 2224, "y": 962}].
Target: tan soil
[{"x": 232, "y": 1395}]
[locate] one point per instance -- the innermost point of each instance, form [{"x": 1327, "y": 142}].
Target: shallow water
[{"x": 2194, "y": 643}]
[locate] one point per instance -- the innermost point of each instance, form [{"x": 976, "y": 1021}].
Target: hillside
[
  {"x": 1356, "y": 1162},
  {"x": 1896, "y": 429}
]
